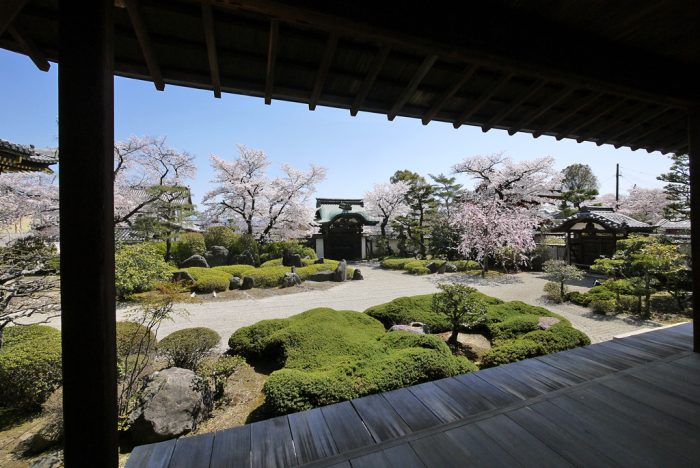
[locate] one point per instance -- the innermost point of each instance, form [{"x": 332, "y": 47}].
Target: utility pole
[{"x": 617, "y": 184}]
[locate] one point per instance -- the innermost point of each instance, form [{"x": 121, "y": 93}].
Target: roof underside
[{"x": 623, "y": 73}]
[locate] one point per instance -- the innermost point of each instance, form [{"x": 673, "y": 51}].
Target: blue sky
[{"x": 357, "y": 151}]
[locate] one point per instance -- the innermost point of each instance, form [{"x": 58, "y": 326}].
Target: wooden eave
[{"x": 587, "y": 70}]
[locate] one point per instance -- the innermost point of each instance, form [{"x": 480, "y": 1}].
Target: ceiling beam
[
  {"x": 639, "y": 123},
  {"x": 271, "y": 59},
  {"x": 322, "y": 74},
  {"x": 209, "y": 36},
  {"x": 474, "y": 108},
  {"x": 366, "y": 86},
  {"x": 585, "y": 102},
  {"x": 29, "y": 47},
  {"x": 538, "y": 112},
  {"x": 465, "y": 76},
  {"x": 603, "y": 125},
  {"x": 511, "y": 106},
  {"x": 672, "y": 139},
  {"x": 637, "y": 141},
  {"x": 596, "y": 116},
  {"x": 407, "y": 93},
  {"x": 144, "y": 39},
  {"x": 9, "y": 9}
]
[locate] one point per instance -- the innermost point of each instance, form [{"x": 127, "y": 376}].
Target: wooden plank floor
[{"x": 633, "y": 401}]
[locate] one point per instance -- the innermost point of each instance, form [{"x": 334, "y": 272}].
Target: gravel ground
[{"x": 382, "y": 286}]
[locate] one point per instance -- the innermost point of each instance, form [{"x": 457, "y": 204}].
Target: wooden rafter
[
  {"x": 512, "y": 106},
  {"x": 9, "y": 9},
  {"x": 603, "y": 125},
  {"x": 465, "y": 76},
  {"x": 34, "y": 53},
  {"x": 271, "y": 59},
  {"x": 638, "y": 140},
  {"x": 209, "y": 36},
  {"x": 604, "y": 110},
  {"x": 567, "y": 115},
  {"x": 322, "y": 74},
  {"x": 541, "y": 110},
  {"x": 366, "y": 86},
  {"x": 418, "y": 76},
  {"x": 144, "y": 39},
  {"x": 639, "y": 123},
  {"x": 682, "y": 144},
  {"x": 671, "y": 139},
  {"x": 474, "y": 108}
]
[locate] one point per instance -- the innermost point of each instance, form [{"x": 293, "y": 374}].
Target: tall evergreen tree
[
  {"x": 421, "y": 201},
  {"x": 447, "y": 192},
  {"x": 578, "y": 185},
  {"x": 677, "y": 188}
]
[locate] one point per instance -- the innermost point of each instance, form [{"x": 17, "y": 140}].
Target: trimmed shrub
[
  {"x": 417, "y": 267},
  {"x": 513, "y": 327},
  {"x": 603, "y": 306},
  {"x": 220, "y": 235},
  {"x": 188, "y": 244},
  {"x": 392, "y": 263},
  {"x": 404, "y": 310},
  {"x": 186, "y": 348},
  {"x": 246, "y": 242},
  {"x": 500, "y": 312},
  {"x": 138, "y": 268},
  {"x": 511, "y": 351},
  {"x": 235, "y": 270},
  {"x": 466, "y": 265},
  {"x": 133, "y": 338},
  {"x": 30, "y": 365},
  {"x": 207, "y": 280},
  {"x": 558, "y": 338},
  {"x": 552, "y": 291},
  {"x": 330, "y": 356},
  {"x": 217, "y": 371},
  {"x": 274, "y": 250}
]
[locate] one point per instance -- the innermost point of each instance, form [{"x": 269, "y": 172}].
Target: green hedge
[
  {"x": 596, "y": 293},
  {"x": 330, "y": 356},
  {"x": 235, "y": 270},
  {"x": 511, "y": 351},
  {"x": 392, "y": 263},
  {"x": 220, "y": 236},
  {"x": 30, "y": 365},
  {"x": 188, "y": 244},
  {"x": 187, "y": 347},
  {"x": 417, "y": 267},
  {"x": 138, "y": 268},
  {"x": 274, "y": 250},
  {"x": 209, "y": 279},
  {"x": 134, "y": 338}
]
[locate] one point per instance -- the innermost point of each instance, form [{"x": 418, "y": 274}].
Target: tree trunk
[
  {"x": 453, "y": 337},
  {"x": 168, "y": 248},
  {"x": 561, "y": 290}
]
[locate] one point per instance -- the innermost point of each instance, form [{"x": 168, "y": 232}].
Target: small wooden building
[
  {"x": 593, "y": 233},
  {"x": 341, "y": 223},
  {"x": 22, "y": 158}
]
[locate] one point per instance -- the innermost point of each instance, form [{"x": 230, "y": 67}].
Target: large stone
[
  {"x": 408, "y": 328},
  {"x": 357, "y": 275},
  {"x": 325, "y": 275},
  {"x": 341, "y": 273},
  {"x": 246, "y": 258},
  {"x": 432, "y": 267},
  {"x": 181, "y": 276},
  {"x": 291, "y": 259},
  {"x": 172, "y": 403},
  {"x": 290, "y": 279},
  {"x": 195, "y": 261},
  {"x": 442, "y": 269},
  {"x": 545, "y": 322},
  {"x": 216, "y": 255},
  {"x": 52, "y": 460},
  {"x": 318, "y": 261},
  {"x": 248, "y": 282},
  {"x": 450, "y": 268},
  {"x": 235, "y": 282}
]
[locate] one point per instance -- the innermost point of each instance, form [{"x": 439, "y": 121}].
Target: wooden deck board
[{"x": 632, "y": 401}]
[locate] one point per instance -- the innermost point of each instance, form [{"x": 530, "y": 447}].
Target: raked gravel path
[{"x": 380, "y": 286}]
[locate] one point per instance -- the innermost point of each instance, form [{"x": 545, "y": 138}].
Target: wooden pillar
[
  {"x": 694, "y": 153},
  {"x": 86, "y": 140}
]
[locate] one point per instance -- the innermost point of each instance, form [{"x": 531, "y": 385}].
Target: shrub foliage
[
  {"x": 138, "y": 268},
  {"x": 186, "y": 348}
]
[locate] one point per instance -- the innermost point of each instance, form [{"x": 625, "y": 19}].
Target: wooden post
[
  {"x": 694, "y": 153},
  {"x": 86, "y": 141}
]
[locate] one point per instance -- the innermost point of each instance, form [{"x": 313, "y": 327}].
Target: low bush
[
  {"x": 235, "y": 270},
  {"x": 558, "y": 337},
  {"x": 503, "y": 311},
  {"x": 330, "y": 356},
  {"x": 417, "y": 267},
  {"x": 246, "y": 243},
  {"x": 513, "y": 327},
  {"x": 138, "y": 268},
  {"x": 466, "y": 265},
  {"x": 188, "y": 244},
  {"x": 274, "y": 250},
  {"x": 186, "y": 348},
  {"x": 596, "y": 293},
  {"x": 217, "y": 371},
  {"x": 271, "y": 276},
  {"x": 603, "y": 306},
  {"x": 207, "y": 280},
  {"x": 133, "y": 338},
  {"x": 511, "y": 351},
  {"x": 220, "y": 235},
  {"x": 393, "y": 263},
  {"x": 30, "y": 365},
  {"x": 552, "y": 291}
]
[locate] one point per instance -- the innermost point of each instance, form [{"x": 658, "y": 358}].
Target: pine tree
[{"x": 677, "y": 188}]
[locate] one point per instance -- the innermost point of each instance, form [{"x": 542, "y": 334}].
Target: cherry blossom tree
[
  {"x": 387, "y": 202},
  {"x": 643, "y": 204},
  {"x": 492, "y": 230},
  {"x": 29, "y": 195},
  {"x": 263, "y": 207},
  {"x": 144, "y": 170},
  {"x": 513, "y": 182}
]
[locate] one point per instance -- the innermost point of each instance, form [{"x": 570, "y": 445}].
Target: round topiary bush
[
  {"x": 186, "y": 348},
  {"x": 137, "y": 269},
  {"x": 30, "y": 365},
  {"x": 134, "y": 338},
  {"x": 220, "y": 235},
  {"x": 188, "y": 244},
  {"x": 207, "y": 280}
]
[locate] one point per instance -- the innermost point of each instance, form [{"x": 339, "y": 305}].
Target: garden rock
[
  {"x": 432, "y": 266},
  {"x": 248, "y": 282},
  {"x": 408, "y": 328},
  {"x": 195, "y": 261},
  {"x": 246, "y": 258},
  {"x": 442, "y": 269},
  {"x": 318, "y": 261},
  {"x": 290, "y": 259},
  {"x": 173, "y": 402},
  {"x": 290, "y": 279},
  {"x": 181, "y": 276},
  {"x": 48, "y": 436},
  {"x": 235, "y": 283},
  {"x": 545, "y": 322},
  {"x": 341, "y": 273},
  {"x": 216, "y": 256},
  {"x": 450, "y": 268},
  {"x": 53, "y": 460},
  {"x": 357, "y": 275},
  {"x": 325, "y": 275}
]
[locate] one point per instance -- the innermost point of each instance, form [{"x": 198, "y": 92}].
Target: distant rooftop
[
  {"x": 330, "y": 209},
  {"x": 23, "y": 158},
  {"x": 606, "y": 217}
]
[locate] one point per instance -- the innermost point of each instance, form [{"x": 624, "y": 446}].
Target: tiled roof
[
  {"x": 20, "y": 158},
  {"x": 606, "y": 217},
  {"x": 329, "y": 209},
  {"x": 667, "y": 224}
]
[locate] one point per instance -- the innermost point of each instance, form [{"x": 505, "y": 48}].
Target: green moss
[
  {"x": 30, "y": 365},
  {"x": 329, "y": 356}
]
